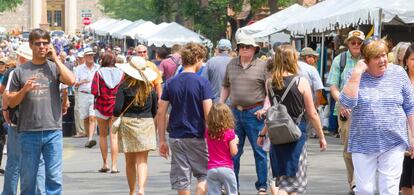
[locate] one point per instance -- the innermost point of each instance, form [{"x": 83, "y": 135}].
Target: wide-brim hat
[
  {"x": 88, "y": 51},
  {"x": 25, "y": 51},
  {"x": 355, "y": 34},
  {"x": 137, "y": 68},
  {"x": 247, "y": 40},
  {"x": 307, "y": 51}
]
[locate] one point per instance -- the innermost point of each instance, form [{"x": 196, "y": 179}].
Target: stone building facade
[{"x": 66, "y": 15}]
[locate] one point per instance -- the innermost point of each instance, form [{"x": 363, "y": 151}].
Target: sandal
[
  {"x": 262, "y": 191},
  {"x": 116, "y": 171},
  {"x": 103, "y": 170}
]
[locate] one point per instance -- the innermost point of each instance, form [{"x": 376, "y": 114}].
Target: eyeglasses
[
  {"x": 242, "y": 46},
  {"x": 39, "y": 43},
  {"x": 354, "y": 43},
  {"x": 141, "y": 51}
]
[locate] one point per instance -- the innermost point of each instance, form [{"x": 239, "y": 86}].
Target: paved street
[{"x": 326, "y": 171}]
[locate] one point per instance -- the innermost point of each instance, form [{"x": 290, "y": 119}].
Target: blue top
[
  {"x": 378, "y": 121},
  {"x": 214, "y": 72},
  {"x": 186, "y": 93}
]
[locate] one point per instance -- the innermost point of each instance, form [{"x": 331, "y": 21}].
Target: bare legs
[
  {"x": 103, "y": 143},
  {"x": 201, "y": 189},
  {"x": 136, "y": 164},
  {"x": 90, "y": 126}
]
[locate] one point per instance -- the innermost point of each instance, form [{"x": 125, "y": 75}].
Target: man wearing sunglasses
[
  {"x": 341, "y": 66},
  {"x": 35, "y": 88},
  {"x": 142, "y": 51},
  {"x": 244, "y": 82}
]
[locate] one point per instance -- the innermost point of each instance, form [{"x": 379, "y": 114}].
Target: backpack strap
[
  {"x": 342, "y": 63},
  {"x": 288, "y": 88}
]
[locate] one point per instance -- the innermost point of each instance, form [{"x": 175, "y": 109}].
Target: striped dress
[{"x": 378, "y": 121}]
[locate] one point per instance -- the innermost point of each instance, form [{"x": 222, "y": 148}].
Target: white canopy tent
[
  {"x": 121, "y": 33},
  {"x": 141, "y": 29},
  {"x": 100, "y": 22},
  {"x": 175, "y": 34},
  {"x": 149, "y": 32},
  {"x": 2, "y": 30},
  {"x": 343, "y": 13},
  {"x": 109, "y": 29},
  {"x": 274, "y": 21}
]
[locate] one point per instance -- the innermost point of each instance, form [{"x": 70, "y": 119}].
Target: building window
[
  {"x": 49, "y": 17},
  {"x": 58, "y": 18}
]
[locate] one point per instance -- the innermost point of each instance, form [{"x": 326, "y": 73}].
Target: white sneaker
[{"x": 5, "y": 150}]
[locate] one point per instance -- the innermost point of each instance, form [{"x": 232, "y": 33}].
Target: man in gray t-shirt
[
  {"x": 216, "y": 67},
  {"x": 35, "y": 88}
]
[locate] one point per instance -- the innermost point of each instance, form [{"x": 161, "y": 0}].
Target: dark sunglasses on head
[
  {"x": 243, "y": 46},
  {"x": 370, "y": 40},
  {"x": 141, "y": 51},
  {"x": 39, "y": 43}
]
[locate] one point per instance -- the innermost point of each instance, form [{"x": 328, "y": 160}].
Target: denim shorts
[{"x": 189, "y": 156}]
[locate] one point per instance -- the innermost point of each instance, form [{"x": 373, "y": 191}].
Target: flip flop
[
  {"x": 103, "y": 170},
  {"x": 116, "y": 171}
]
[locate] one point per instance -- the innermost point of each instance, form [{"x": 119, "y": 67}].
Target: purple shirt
[
  {"x": 219, "y": 150},
  {"x": 169, "y": 66}
]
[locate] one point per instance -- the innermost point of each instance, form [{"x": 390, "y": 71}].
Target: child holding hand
[{"x": 222, "y": 145}]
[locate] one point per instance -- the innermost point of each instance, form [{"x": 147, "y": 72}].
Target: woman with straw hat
[{"x": 136, "y": 103}]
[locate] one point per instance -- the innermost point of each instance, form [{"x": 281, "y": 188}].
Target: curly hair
[
  {"x": 192, "y": 53},
  {"x": 286, "y": 60},
  {"x": 219, "y": 119}
]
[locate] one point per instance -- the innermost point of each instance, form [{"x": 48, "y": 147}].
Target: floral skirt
[{"x": 136, "y": 135}]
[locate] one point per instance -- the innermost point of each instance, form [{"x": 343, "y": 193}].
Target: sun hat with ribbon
[{"x": 137, "y": 68}]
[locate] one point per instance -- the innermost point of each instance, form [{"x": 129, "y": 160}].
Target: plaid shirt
[{"x": 104, "y": 96}]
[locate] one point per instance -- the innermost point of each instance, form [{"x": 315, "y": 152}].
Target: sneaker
[
  {"x": 90, "y": 144},
  {"x": 1, "y": 171},
  {"x": 262, "y": 191}
]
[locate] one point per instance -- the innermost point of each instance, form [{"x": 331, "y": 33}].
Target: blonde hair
[
  {"x": 285, "y": 60},
  {"x": 144, "y": 89},
  {"x": 374, "y": 47},
  {"x": 219, "y": 119},
  {"x": 399, "y": 51}
]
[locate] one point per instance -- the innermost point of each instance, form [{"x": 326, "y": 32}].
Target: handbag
[
  {"x": 117, "y": 122},
  {"x": 282, "y": 129}
]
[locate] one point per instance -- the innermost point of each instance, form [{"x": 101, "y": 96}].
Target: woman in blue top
[
  {"x": 288, "y": 161},
  {"x": 381, "y": 98}
]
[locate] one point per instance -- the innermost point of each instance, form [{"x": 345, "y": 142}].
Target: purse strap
[
  {"x": 123, "y": 112},
  {"x": 272, "y": 93}
]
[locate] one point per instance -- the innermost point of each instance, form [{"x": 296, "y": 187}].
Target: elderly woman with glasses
[{"x": 381, "y": 99}]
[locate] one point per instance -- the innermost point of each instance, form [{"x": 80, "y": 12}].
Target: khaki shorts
[
  {"x": 86, "y": 104},
  {"x": 189, "y": 156}
]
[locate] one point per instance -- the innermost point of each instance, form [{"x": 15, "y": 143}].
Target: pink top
[{"x": 219, "y": 150}]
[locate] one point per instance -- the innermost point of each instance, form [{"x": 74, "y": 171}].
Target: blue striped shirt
[{"x": 378, "y": 121}]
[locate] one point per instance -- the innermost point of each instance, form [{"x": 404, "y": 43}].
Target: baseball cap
[{"x": 224, "y": 44}]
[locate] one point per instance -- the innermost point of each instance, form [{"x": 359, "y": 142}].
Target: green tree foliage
[
  {"x": 209, "y": 17},
  {"x": 9, "y": 4}
]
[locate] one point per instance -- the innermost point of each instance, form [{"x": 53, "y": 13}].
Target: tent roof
[
  {"x": 331, "y": 14},
  {"x": 149, "y": 32},
  {"x": 106, "y": 24},
  {"x": 273, "y": 21},
  {"x": 120, "y": 34},
  {"x": 141, "y": 29},
  {"x": 100, "y": 22},
  {"x": 113, "y": 28},
  {"x": 174, "y": 34}
]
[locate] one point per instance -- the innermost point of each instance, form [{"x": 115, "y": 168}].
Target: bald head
[{"x": 141, "y": 51}]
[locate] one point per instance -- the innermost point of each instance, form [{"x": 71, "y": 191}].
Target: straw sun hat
[{"x": 137, "y": 68}]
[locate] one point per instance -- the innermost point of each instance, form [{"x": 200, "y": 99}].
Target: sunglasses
[
  {"x": 141, "y": 51},
  {"x": 354, "y": 43},
  {"x": 242, "y": 46},
  {"x": 39, "y": 43},
  {"x": 370, "y": 40}
]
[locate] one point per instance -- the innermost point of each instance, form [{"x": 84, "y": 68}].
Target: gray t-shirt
[
  {"x": 40, "y": 109},
  {"x": 312, "y": 75},
  {"x": 214, "y": 72}
]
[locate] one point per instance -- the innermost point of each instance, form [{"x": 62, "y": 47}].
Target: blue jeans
[
  {"x": 11, "y": 176},
  {"x": 33, "y": 145},
  {"x": 248, "y": 125}
]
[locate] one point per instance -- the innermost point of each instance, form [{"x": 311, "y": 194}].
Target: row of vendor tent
[
  {"x": 163, "y": 34},
  {"x": 332, "y": 14}
]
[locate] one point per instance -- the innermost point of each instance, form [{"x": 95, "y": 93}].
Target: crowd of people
[{"x": 199, "y": 111}]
